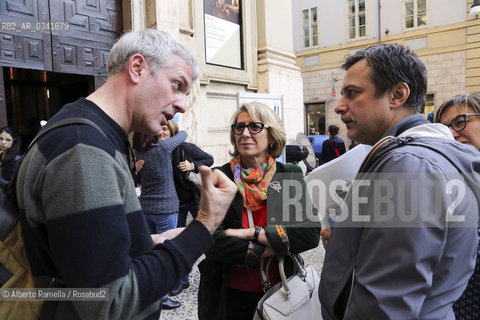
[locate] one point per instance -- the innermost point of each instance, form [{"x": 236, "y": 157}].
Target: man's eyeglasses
[
  {"x": 253, "y": 127},
  {"x": 8, "y": 140},
  {"x": 460, "y": 122}
]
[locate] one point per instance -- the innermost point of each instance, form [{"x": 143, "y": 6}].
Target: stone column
[
  {"x": 277, "y": 71},
  {"x": 133, "y": 14}
]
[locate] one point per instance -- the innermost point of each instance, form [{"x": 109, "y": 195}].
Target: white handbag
[{"x": 292, "y": 298}]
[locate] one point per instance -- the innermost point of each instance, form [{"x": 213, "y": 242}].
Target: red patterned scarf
[{"x": 253, "y": 183}]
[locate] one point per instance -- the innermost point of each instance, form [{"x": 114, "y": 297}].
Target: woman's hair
[
  {"x": 260, "y": 112},
  {"x": 157, "y": 47},
  {"x": 471, "y": 100},
  {"x": 173, "y": 127},
  {"x": 14, "y": 150},
  {"x": 333, "y": 130},
  {"x": 142, "y": 142}
]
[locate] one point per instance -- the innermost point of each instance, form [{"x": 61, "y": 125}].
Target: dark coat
[
  {"x": 9, "y": 169},
  {"x": 228, "y": 250},
  {"x": 186, "y": 190},
  {"x": 328, "y": 151}
]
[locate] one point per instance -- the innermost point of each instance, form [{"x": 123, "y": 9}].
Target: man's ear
[
  {"x": 399, "y": 94},
  {"x": 136, "y": 66}
]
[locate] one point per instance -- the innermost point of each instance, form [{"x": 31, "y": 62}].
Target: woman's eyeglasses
[
  {"x": 253, "y": 127},
  {"x": 460, "y": 122}
]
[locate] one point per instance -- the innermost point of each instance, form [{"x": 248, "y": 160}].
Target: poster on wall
[
  {"x": 274, "y": 101},
  {"x": 223, "y": 26}
]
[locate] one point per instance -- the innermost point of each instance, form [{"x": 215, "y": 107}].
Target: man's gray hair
[{"x": 157, "y": 47}]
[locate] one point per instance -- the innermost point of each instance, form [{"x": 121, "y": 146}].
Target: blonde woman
[{"x": 230, "y": 285}]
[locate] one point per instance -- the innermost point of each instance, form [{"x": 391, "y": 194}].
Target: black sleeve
[
  {"x": 197, "y": 156},
  {"x": 325, "y": 153}
]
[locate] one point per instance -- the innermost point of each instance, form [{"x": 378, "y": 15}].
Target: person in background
[
  {"x": 80, "y": 216},
  {"x": 10, "y": 155},
  {"x": 158, "y": 198},
  {"x": 186, "y": 159},
  {"x": 230, "y": 285},
  {"x": 334, "y": 146},
  {"x": 462, "y": 115},
  {"x": 406, "y": 259},
  {"x": 430, "y": 116}
]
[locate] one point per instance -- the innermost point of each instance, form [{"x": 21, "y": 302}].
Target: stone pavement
[{"x": 188, "y": 310}]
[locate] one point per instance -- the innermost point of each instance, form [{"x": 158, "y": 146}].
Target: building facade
[
  {"x": 241, "y": 46},
  {"x": 442, "y": 33}
]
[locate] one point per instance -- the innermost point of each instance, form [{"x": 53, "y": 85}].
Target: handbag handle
[
  {"x": 300, "y": 270},
  {"x": 264, "y": 274}
]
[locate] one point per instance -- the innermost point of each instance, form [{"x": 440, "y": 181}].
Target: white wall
[
  {"x": 445, "y": 12},
  {"x": 333, "y": 22},
  {"x": 333, "y": 18},
  {"x": 439, "y": 13}
]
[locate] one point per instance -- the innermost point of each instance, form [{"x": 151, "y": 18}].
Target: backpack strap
[
  {"x": 62, "y": 123},
  {"x": 389, "y": 143},
  {"x": 370, "y": 159},
  {"x": 8, "y": 198}
]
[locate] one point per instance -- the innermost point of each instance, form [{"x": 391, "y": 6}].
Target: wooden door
[
  {"x": 20, "y": 45},
  {"x": 94, "y": 26},
  {"x": 70, "y": 36}
]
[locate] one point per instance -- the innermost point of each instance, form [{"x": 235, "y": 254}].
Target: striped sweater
[{"x": 81, "y": 221}]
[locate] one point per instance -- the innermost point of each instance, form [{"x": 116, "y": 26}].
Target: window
[
  {"x": 415, "y": 13},
  {"x": 356, "y": 19},
  {"x": 310, "y": 27},
  {"x": 429, "y": 106},
  {"x": 316, "y": 118}
]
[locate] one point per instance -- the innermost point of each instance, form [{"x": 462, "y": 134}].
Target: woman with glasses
[
  {"x": 230, "y": 285},
  {"x": 10, "y": 158},
  {"x": 462, "y": 115}
]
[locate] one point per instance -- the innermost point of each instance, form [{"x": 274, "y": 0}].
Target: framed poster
[
  {"x": 223, "y": 33},
  {"x": 274, "y": 101}
]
